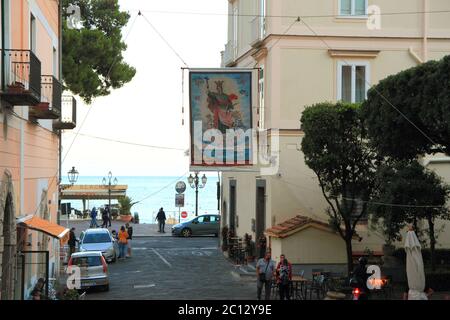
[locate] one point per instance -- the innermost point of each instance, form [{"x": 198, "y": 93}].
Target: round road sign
[{"x": 180, "y": 187}]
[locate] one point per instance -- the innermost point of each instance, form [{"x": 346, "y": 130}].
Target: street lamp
[
  {"x": 109, "y": 183},
  {"x": 194, "y": 182},
  {"x": 73, "y": 176}
]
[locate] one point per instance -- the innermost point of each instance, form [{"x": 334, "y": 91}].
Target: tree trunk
[
  {"x": 348, "y": 245},
  {"x": 432, "y": 242}
]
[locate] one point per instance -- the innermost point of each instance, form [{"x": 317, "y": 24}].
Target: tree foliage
[
  {"x": 92, "y": 57},
  {"x": 422, "y": 95},
  {"x": 336, "y": 149},
  {"x": 413, "y": 192}
]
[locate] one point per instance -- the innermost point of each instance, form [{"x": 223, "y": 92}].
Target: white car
[
  {"x": 93, "y": 269},
  {"x": 99, "y": 240}
]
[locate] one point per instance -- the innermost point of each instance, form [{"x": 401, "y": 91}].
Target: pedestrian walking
[
  {"x": 265, "y": 270},
  {"x": 284, "y": 278},
  {"x": 123, "y": 241},
  {"x": 108, "y": 215},
  {"x": 94, "y": 218},
  {"x": 161, "y": 217},
  {"x": 72, "y": 242},
  {"x": 130, "y": 237},
  {"x": 105, "y": 218}
]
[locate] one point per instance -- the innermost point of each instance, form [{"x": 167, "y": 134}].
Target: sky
[{"x": 148, "y": 109}]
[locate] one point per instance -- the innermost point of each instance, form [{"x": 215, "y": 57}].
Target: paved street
[{"x": 175, "y": 269}]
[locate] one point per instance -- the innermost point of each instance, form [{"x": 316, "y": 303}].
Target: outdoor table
[{"x": 298, "y": 281}]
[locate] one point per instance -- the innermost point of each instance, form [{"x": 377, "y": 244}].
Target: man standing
[
  {"x": 72, "y": 242},
  {"x": 94, "y": 218},
  {"x": 161, "y": 217},
  {"x": 265, "y": 270}
]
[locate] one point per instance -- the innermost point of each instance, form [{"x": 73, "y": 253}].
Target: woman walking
[
  {"x": 123, "y": 243},
  {"x": 284, "y": 277}
]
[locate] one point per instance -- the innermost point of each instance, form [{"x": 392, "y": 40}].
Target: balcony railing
[
  {"x": 68, "y": 119},
  {"x": 22, "y": 77},
  {"x": 258, "y": 31},
  {"x": 229, "y": 54},
  {"x": 50, "y": 105}
]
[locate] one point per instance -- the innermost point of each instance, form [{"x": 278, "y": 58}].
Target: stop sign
[{"x": 184, "y": 214}]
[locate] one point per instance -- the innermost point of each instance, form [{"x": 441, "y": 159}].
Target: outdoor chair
[{"x": 317, "y": 287}]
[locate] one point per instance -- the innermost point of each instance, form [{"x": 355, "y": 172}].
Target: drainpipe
[
  {"x": 3, "y": 44},
  {"x": 60, "y": 80},
  {"x": 425, "y": 31}
]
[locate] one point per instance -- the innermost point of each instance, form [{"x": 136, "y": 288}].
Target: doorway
[
  {"x": 9, "y": 251},
  {"x": 233, "y": 206},
  {"x": 260, "y": 208}
]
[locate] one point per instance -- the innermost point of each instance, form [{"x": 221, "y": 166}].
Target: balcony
[
  {"x": 258, "y": 31},
  {"x": 229, "y": 54},
  {"x": 50, "y": 105},
  {"x": 68, "y": 119},
  {"x": 22, "y": 77}
]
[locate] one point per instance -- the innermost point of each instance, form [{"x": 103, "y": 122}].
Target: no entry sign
[{"x": 184, "y": 214}]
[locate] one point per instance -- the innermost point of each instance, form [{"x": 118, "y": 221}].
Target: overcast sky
[{"x": 148, "y": 109}]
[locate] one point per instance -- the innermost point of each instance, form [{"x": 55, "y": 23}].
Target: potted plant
[
  {"x": 225, "y": 239},
  {"x": 125, "y": 204},
  {"x": 250, "y": 248}
]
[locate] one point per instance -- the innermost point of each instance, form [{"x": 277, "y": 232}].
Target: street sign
[
  {"x": 184, "y": 214},
  {"x": 180, "y": 187},
  {"x": 179, "y": 200}
]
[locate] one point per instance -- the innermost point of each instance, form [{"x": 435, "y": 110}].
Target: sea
[{"x": 153, "y": 193}]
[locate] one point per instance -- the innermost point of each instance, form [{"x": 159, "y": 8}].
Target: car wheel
[{"x": 186, "y": 233}]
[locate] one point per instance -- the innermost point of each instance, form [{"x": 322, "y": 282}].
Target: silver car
[
  {"x": 203, "y": 225},
  {"x": 93, "y": 269},
  {"x": 99, "y": 240}
]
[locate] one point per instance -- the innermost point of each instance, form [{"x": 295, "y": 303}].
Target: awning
[{"x": 52, "y": 229}]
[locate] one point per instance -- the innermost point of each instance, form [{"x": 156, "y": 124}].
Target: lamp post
[
  {"x": 109, "y": 183},
  {"x": 194, "y": 182},
  {"x": 72, "y": 175}
]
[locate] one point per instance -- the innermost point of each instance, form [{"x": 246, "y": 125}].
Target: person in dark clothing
[
  {"x": 108, "y": 215},
  {"x": 72, "y": 242},
  {"x": 161, "y": 217},
  {"x": 360, "y": 275},
  {"x": 94, "y": 218},
  {"x": 105, "y": 218}
]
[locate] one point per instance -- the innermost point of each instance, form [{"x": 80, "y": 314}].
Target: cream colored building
[{"x": 314, "y": 60}]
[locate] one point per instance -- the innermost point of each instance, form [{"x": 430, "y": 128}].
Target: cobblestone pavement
[{"x": 175, "y": 269}]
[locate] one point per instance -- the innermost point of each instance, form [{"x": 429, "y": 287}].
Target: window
[
  {"x": 352, "y": 7},
  {"x": 235, "y": 29},
  {"x": 262, "y": 13},
  {"x": 33, "y": 33},
  {"x": 261, "y": 98},
  {"x": 353, "y": 80},
  {"x": 96, "y": 238}
]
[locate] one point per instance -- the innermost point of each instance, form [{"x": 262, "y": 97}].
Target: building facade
[
  {"x": 30, "y": 127},
  {"x": 336, "y": 51}
]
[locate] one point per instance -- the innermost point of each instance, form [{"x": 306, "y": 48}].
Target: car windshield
[
  {"x": 90, "y": 261},
  {"x": 96, "y": 238}
]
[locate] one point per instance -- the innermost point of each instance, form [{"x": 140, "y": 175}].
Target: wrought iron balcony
[
  {"x": 21, "y": 79},
  {"x": 68, "y": 119},
  {"x": 50, "y": 105},
  {"x": 258, "y": 31}
]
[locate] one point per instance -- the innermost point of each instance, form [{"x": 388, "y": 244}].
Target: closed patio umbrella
[{"x": 414, "y": 267}]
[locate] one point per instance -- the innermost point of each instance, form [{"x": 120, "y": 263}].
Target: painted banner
[{"x": 221, "y": 104}]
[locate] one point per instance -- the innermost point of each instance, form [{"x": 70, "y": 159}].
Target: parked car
[
  {"x": 100, "y": 240},
  {"x": 93, "y": 269},
  {"x": 202, "y": 225}
]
